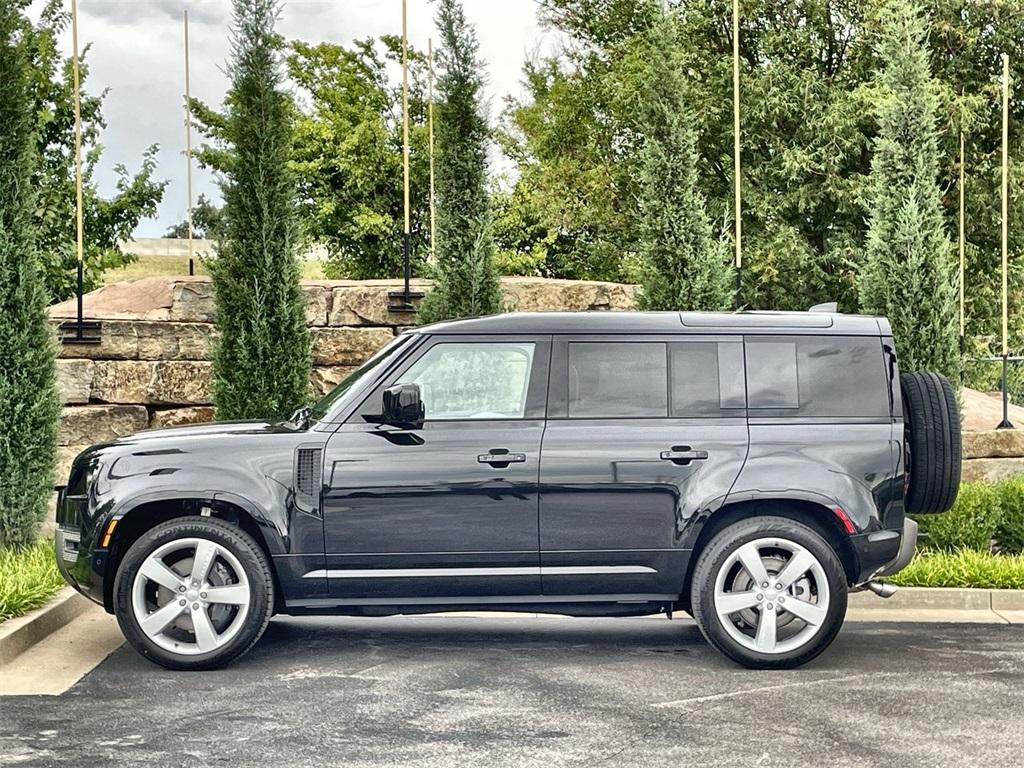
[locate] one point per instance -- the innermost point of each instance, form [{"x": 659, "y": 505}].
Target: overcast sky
[{"x": 137, "y": 53}]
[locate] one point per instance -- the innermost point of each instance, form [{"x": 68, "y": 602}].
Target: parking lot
[{"x": 440, "y": 691}]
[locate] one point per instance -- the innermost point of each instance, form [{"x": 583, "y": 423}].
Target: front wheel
[
  {"x": 769, "y": 593},
  {"x": 193, "y": 593}
]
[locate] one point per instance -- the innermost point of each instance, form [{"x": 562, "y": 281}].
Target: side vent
[{"x": 308, "y": 472}]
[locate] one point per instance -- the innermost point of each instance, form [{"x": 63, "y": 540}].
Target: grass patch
[
  {"x": 962, "y": 568},
  {"x": 28, "y": 578},
  {"x": 174, "y": 266}
]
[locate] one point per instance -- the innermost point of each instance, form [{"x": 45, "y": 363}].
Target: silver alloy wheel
[
  {"x": 173, "y": 597},
  {"x": 783, "y": 578}
]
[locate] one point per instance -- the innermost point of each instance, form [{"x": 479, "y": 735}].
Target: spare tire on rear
[{"x": 932, "y": 421}]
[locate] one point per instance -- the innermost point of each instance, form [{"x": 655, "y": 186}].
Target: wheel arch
[
  {"x": 813, "y": 514},
  {"x": 146, "y": 514}
]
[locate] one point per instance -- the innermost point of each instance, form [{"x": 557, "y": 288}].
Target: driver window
[{"x": 473, "y": 380}]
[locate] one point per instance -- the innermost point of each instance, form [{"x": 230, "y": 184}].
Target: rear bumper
[
  {"x": 908, "y": 546},
  {"x": 883, "y": 553}
]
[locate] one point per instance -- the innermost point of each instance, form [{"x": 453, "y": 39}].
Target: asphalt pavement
[{"x": 439, "y": 691}]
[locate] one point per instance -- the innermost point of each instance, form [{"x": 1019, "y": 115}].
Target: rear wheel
[
  {"x": 193, "y": 593},
  {"x": 769, "y": 593}
]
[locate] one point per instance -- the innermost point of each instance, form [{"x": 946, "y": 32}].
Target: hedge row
[{"x": 986, "y": 517}]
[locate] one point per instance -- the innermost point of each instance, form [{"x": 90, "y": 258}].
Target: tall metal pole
[
  {"x": 963, "y": 260},
  {"x": 430, "y": 136},
  {"x": 1005, "y": 423},
  {"x": 405, "y": 147},
  {"x": 79, "y": 226},
  {"x": 188, "y": 150},
  {"x": 736, "y": 144}
]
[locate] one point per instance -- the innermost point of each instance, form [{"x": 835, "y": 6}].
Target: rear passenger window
[
  {"x": 632, "y": 379},
  {"x": 707, "y": 378},
  {"x": 614, "y": 379},
  {"x": 838, "y": 376}
]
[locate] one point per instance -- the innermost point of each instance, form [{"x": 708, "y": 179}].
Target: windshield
[{"x": 339, "y": 394}]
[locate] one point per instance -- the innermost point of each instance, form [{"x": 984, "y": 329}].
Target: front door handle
[
  {"x": 499, "y": 458},
  {"x": 683, "y": 455}
]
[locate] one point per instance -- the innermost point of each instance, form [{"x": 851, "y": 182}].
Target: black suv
[{"x": 749, "y": 469}]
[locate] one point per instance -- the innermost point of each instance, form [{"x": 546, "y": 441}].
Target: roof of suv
[{"x": 667, "y": 322}]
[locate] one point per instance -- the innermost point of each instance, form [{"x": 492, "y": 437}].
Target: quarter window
[
  {"x": 473, "y": 381},
  {"x": 833, "y": 376}
]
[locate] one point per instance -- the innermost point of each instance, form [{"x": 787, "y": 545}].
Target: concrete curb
[
  {"x": 1001, "y": 606},
  {"x": 20, "y": 634}
]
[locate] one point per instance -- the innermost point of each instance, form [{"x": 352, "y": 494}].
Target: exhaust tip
[{"x": 881, "y": 588}]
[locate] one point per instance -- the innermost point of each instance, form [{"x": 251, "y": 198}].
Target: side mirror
[{"x": 403, "y": 406}]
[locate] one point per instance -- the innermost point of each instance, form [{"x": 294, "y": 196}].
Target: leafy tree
[
  {"x": 206, "y": 221},
  {"x": 348, "y": 155},
  {"x": 908, "y": 274},
  {"x": 108, "y": 220},
  {"x": 262, "y": 359},
  {"x": 684, "y": 265},
  {"x": 807, "y": 78},
  {"x": 465, "y": 280},
  {"x": 29, "y": 405}
]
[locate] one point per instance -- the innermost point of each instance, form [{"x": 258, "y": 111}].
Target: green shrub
[
  {"x": 29, "y": 405},
  {"x": 28, "y": 578},
  {"x": 261, "y": 361},
  {"x": 963, "y": 568},
  {"x": 1010, "y": 531},
  {"x": 970, "y": 524}
]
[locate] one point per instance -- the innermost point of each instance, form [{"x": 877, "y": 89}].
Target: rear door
[{"x": 642, "y": 435}]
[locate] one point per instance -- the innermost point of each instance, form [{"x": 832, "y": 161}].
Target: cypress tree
[
  {"x": 29, "y": 406},
  {"x": 908, "y": 274},
  {"x": 465, "y": 280},
  {"x": 683, "y": 265},
  {"x": 261, "y": 362}
]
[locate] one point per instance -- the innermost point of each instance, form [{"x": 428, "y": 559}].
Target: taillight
[{"x": 844, "y": 518}]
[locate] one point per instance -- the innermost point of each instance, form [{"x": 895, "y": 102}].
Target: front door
[
  {"x": 447, "y": 512},
  {"x": 642, "y": 436}
]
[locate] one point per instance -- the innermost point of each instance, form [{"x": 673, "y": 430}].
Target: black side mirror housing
[{"x": 403, "y": 406}]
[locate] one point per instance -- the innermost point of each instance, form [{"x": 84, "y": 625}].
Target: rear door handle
[
  {"x": 501, "y": 458},
  {"x": 683, "y": 455}
]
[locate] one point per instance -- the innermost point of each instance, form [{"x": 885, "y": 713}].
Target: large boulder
[
  {"x": 74, "y": 380},
  {"x": 90, "y": 424},
  {"x": 347, "y": 346},
  {"x": 177, "y": 417},
  {"x": 168, "y": 382}
]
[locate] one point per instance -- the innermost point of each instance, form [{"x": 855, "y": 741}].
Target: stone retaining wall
[{"x": 152, "y": 368}]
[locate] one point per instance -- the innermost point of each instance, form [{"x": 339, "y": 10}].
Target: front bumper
[{"x": 79, "y": 561}]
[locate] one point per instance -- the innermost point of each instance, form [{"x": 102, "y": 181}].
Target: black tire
[
  {"x": 717, "y": 555},
  {"x": 933, "y": 442},
  {"x": 241, "y": 546}
]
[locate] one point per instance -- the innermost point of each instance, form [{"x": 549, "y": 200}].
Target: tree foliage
[
  {"x": 29, "y": 405},
  {"x": 207, "y": 218},
  {"x": 683, "y": 261},
  {"x": 348, "y": 155},
  {"x": 107, "y": 220},
  {"x": 465, "y": 280},
  {"x": 908, "y": 273},
  {"x": 262, "y": 359},
  {"x": 808, "y": 125}
]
